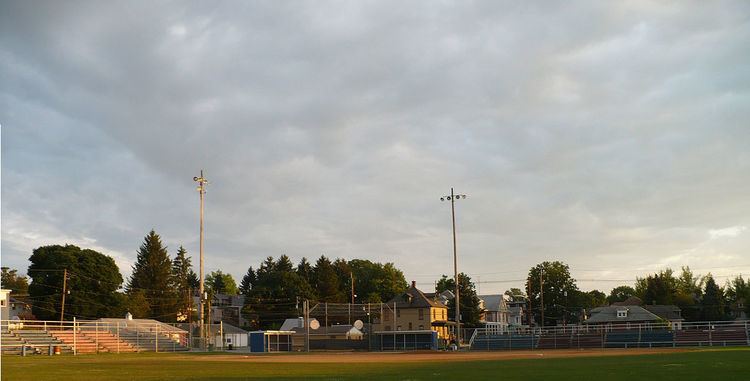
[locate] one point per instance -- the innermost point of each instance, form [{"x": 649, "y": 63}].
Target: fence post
[
  {"x": 118, "y": 337},
  {"x": 75, "y": 341},
  {"x": 96, "y": 336},
  {"x": 156, "y": 337}
]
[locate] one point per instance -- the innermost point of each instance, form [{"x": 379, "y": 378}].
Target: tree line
[
  {"x": 162, "y": 288},
  {"x": 551, "y": 290},
  {"x": 276, "y": 289}
]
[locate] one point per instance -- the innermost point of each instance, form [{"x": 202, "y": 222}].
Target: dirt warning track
[{"x": 367, "y": 357}]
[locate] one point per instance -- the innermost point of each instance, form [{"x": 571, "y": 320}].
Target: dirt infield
[{"x": 368, "y": 357}]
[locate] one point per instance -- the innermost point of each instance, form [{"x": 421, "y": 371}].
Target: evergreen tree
[
  {"x": 248, "y": 281},
  {"x": 327, "y": 281},
  {"x": 712, "y": 304},
  {"x": 284, "y": 264},
  {"x": 305, "y": 270},
  {"x": 218, "y": 282},
  {"x": 181, "y": 269},
  {"x": 193, "y": 280},
  {"x": 344, "y": 272},
  {"x": 152, "y": 273}
]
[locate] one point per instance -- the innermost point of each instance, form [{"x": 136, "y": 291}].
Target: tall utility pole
[
  {"x": 541, "y": 295},
  {"x": 202, "y": 182},
  {"x": 351, "y": 276},
  {"x": 64, "y": 291},
  {"x": 452, "y": 198}
]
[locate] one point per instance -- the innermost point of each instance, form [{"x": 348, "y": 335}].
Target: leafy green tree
[
  {"x": 376, "y": 282},
  {"x": 92, "y": 283},
  {"x": 152, "y": 273},
  {"x": 248, "y": 281},
  {"x": 17, "y": 284},
  {"x": 181, "y": 269},
  {"x": 620, "y": 294},
  {"x": 392, "y": 282},
  {"x": 688, "y": 293},
  {"x": 593, "y": 299},
  {"x": 515, "y": 294},
  {"x": 713, "y": 301},
  {"x": 218, "y": 282},
  {"x": 470, "y": 311},
  {"x": 556, "y": 282},
  {"x": 688, "y": 283}
]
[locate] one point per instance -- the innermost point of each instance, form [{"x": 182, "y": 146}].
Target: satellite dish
[
  {"x": 314, "y": 324},
  {"x": 358, "y": 324}
]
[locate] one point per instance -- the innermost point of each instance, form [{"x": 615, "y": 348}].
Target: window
[
  {"x": 2, "y": 303},
  {"x": 622, "y": 313},
  {"x": 398, "y": 328},
  {"x": 409, "y": 326},
  {"x": 421, "y": 314}
]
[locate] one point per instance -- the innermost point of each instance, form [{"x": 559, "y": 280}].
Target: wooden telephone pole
[{"x": 64, "y": 291}]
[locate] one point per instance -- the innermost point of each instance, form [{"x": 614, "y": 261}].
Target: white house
[{"x": 4, "y": 304}]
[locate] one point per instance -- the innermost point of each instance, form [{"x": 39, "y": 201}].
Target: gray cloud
[{"x": 610, "y": 136}]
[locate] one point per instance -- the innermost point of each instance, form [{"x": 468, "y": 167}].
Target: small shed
[
  {"x": 270, "y": 341},
  {"x": 225, "y": 335}
]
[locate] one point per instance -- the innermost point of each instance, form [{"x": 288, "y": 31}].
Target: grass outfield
[{"x": 729, "y": 364}]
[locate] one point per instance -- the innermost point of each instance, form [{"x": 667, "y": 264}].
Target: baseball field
[{"x": 558, "y": 365}]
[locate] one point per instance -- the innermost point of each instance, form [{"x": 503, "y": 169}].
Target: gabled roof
[
  {"x": 413, "y": 298},
  {"x": 228, "y": 329},
  {"x": 630, "y": 301},
  {"x": 666, "y": 312},
  {"x": 608, "y": 314},
  {"x": 494, "y": 302}
]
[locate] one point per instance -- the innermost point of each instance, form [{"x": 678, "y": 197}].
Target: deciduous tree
[{"x": 91, "y": 286}]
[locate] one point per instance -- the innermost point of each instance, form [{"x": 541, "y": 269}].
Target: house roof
[
  {"x": 608, "y": 314},
  {"x": 228, "y": 329},
  {"x": 666, "y": 312},
  {"x": 494, "y": 302},
  {"x": 332, "y": 330},
  {"x": 630, "y": 301},
  {"x": 413, "y": 298}
]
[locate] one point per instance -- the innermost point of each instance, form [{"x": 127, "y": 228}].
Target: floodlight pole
[
  {"x": 201, "y": 190},
  {"x": 452, "y": 199}
]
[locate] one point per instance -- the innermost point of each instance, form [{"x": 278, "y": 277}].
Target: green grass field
[{"x": 729, "y": 364}]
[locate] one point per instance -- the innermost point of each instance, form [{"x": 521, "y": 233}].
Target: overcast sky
[{"x": 612, "y": 136}]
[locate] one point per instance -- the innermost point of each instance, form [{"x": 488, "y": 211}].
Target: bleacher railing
[
  {"x": 620, "y": 335},
  {"x": 90, "y": 337}
]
